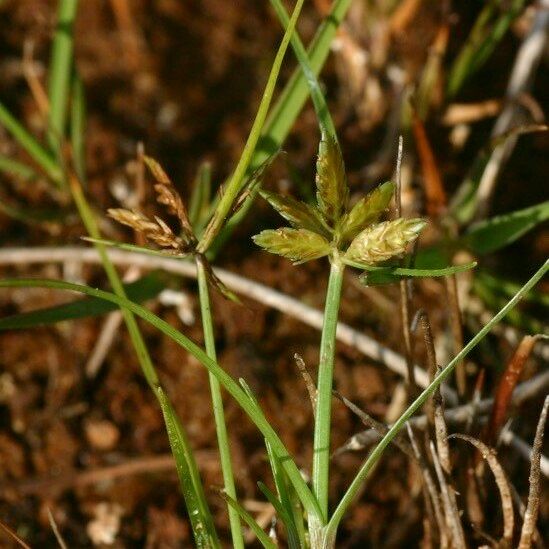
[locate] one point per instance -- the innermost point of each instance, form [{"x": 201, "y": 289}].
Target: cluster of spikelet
[{"x": 330, "y": 228}]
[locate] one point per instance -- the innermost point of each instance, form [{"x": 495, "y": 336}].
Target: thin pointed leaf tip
[{"x": 384, "y": 241}]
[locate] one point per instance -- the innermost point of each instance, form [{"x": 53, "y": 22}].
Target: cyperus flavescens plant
[{"x": 346, "y": 236}]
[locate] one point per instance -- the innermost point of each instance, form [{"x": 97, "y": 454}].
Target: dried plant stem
[
  {"x": 503, "y": 485},
  {"x": 217, "y": 404},
  {"x": 309, "y": 383},
  {"x": 532, "y": 507},
  {"x": 321, "y": 445}
]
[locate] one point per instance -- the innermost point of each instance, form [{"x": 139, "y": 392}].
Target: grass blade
[
  {"x": 17, "y": 169},
  {"x": 234, "y": 184},
  {"x": 35, "y": 150},
  {"x": 376, "y": 454},
  {"x": 199, "y": 514},
  {"x": 59, "y": 73},
  {"x": 263, "y": 538},
  {"x": 305, "y": 495},
  {"x": 141, "y": 290},
  {"x": 499, "y": 231},
  {"x": 78, "y": 126}
]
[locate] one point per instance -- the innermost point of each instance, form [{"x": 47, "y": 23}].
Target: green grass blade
[
  {"x": 199, "y": 204},
  {"x": 16, "y": 168},
  {"x": 377, "y": 452},
  {"x": 287, "y": 108},
  {"x": 388, "y": 275},
  {"x": 489, "y": 28},
  {"x": 59, "y": 72},
  {"x": 322, "y": 112},
  {"x": 199, "y": 514},
  {"x": 262, "y": 537},
  {"x": 34, "y": 149},
  {"x": 284, "y": 514},
  {"x": 305, "y": 495},
  {"x": 141, "y": 350},
  {"x": 499, "y": 231},
  {"x": 131, "y": 247},
  {"x": 141, "y": 290},
  {"x": 234, "y": 184},
  {"x": 78, "y": 126},
  {"x": 217, "y": 403}
]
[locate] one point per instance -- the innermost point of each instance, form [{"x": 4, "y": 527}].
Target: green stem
[
  {"x": 377, "y": 452},
  {"x": 321, "y": 457},
  {"x": 235, "y": 182},
  {"x": 217, "y": 403},
  {"x": 60, "y": 72},
  {"x": 40, "y": 155},
  {"x": 189, "y": 476}
]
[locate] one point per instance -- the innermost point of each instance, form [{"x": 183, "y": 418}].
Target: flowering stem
[
  {"x": 217, "y": 404},
  {"x": 321, "y": 457}
]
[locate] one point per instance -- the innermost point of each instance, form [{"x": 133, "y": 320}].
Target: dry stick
[
  {"x": 404, "y": 297},
  {"x": 309, "y": 383},
  {"x": 449, "y": 504},
  {"x": 431, "y": 488},
  {"x": 526, "y": 62},
  {"x": 460, "y": 414},
  {"x": 56, "y": 531},
  {"x": 13, "y": 535},
  {"x": 489, "y": 455},
  {"x": 254, "y": 290},
  {"x": 532, "y": 507},
  {"x": 436, "y": 404}
]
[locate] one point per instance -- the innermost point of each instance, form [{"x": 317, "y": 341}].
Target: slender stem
[
  {"x": 235, "y": 182},
  {"x": 321, "y": 457},
  {"x": 377, "y": 452},
  {"x": 217, "y": 403},
  {"x": 60, "y": 68},
  {"x": 40, "y": 155}
]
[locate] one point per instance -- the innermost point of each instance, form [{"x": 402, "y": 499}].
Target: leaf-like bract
[
  {"x": 385, "y": 240},
  {"x": 331, "y": 181},
  {"x": 298, "y": 214},
  {"x": 366, "y": 211},
  {"x": 299, "y": 245}
]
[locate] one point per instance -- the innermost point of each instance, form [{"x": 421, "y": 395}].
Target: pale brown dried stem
[
  {"x": 532, "y": 507},
  {"x": 309, "y": 383},
  {"x": 449, "y": 504},
  {"x": 457, "y": 330},
  {"x": 489, "y": 454}
]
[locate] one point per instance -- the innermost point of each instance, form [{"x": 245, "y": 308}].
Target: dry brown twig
[
  {"x": 532, "y": 507},
  {"x": 489, "y": 454},
  {"x": 449, "y": 504},
  {"x": 309, "y": 383}
]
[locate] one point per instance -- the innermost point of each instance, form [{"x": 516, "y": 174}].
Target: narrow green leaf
[
  {"x": 59, "y": 72},
  {"x": 36, "y": 151},
  {"x": 143, "y": 289},
  {"x": 254, "y": 413},
  {"x": 388, "y": 275},
  {"x": 378, "y": 451},
  {"x": 297, "y": 213},
  {"x": 299, "y": 245},
  {"x": 385, "y": 240},
  {"x": 78, "y": 126},
  {"x": 246, "y": 517},
  {"x": 200, "y": 517},
  {"x": 16, "y": 168},
  {"x": 234, "y": 185},
  {"x": 199, "y": 204},
  {"x": 331, "y": 180},
  {"x": 497, "y": 232},
  {"x": 366, "y": 211},
  {"x": 133, "y": 247}
]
